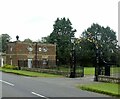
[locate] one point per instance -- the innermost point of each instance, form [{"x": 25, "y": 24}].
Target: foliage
[
  {"x": 4, "y": 38},
  {"x": 106, "y": 45},
  {"x": 86, "y": 45},
  {"x": 10, "y": 67},
  {"x": 45, "y": 39},
  {"x": 84, "y": 52},
  {"x": 61, "y": 36}
]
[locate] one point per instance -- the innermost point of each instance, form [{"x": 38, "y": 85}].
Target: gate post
[
  {"x": 107, "y": 70},
  {"x": 82, "y": 68}
]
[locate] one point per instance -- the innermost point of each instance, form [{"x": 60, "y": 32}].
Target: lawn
[
  {"x": 29, "y": 73},
  {"x": 87, "y": 70},
  {"x": 91, "y": 70},
  {"x": 104, "y": 88},
  {"x": 115, "y": 70}
]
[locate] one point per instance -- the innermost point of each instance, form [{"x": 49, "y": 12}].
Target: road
[{"x": 22, "y": 86}]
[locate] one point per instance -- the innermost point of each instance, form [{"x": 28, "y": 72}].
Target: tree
[
  {"x": 61, "y": 35},
  {"x": 107, "y": 44},
  {"x": 4, "y": 38},
  {"x": 84, "y": 52},
  {"x": 45, "y": 39}
]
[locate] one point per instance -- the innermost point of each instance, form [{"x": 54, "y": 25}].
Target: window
[
  {"x": 45, "y": 49},
  {"x": 30, "y": 48},
  {"x": 40, "y": 49},
  {"x": 45, "y": 61}
]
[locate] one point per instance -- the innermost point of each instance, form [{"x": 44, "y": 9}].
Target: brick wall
[{"x": 19, "y": 51}]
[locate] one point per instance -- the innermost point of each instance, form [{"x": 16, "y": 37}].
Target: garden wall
[{"x": 110, "y": 79}]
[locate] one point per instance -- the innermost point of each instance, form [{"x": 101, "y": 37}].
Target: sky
[{"x": 35, "y": 18}]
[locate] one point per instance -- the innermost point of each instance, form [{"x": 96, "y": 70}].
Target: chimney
[{"x": 17, "y": 37}]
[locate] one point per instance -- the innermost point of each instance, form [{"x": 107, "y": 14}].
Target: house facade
[{"x": 31, "y": 55}]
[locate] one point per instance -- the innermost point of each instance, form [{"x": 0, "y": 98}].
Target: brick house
[{"x": 31, "y": 55}]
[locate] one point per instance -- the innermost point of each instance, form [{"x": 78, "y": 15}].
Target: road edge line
[
  {"x": 7, "y": 82},
  {"x": 39, "y": 95}
]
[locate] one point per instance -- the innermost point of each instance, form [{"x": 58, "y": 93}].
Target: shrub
[{"x": 10, "y": 67}]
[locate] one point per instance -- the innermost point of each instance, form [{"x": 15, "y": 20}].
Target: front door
[
  {"x": 1, "y": 62},
  {"x": 29, "y": 63}
]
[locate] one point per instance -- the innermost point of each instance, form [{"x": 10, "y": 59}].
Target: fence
[
  {"x": 50, "y": 67},
  {"x": 52, "y": 71},
  {"x": 109, "y": 70},
  {"x": 37, "y": 63},
  {"x": 110, "y": 73}
]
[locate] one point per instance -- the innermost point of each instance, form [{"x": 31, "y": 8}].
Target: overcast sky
[{"x": 35, "y": 18}]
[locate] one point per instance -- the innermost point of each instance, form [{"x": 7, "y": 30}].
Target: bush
[{"x": 10, "y": 67}]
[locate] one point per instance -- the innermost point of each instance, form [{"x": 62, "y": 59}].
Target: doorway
[{"x": 29, "y": 63}]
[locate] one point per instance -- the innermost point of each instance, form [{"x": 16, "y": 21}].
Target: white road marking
[
  {"x": 7, "y": 82},
  {"x": 39, "y": 95}
]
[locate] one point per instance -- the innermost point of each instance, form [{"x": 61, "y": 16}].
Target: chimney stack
[{"x": 17, "y": 37}]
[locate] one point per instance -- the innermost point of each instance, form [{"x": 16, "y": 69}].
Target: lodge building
[{"x": 31, "y": 55}]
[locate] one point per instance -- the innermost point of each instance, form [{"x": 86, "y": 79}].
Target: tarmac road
[{"x": 22, "y": 86}]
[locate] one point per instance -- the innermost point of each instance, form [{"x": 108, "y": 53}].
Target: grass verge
[
  {"x": 28, "y": 73},
  {"x": 104, "y": 88}
]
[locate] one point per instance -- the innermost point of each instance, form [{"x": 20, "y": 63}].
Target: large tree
[
  {"x": 4, "y": 38},
  {"x": 61, "y": 35},
  {"x": 107, "y": 44}
]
